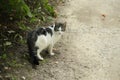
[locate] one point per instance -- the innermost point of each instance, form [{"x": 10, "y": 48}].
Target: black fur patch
[
  {"x": 49, "y": 31},
  {"x": 44, "y": 31},
  {"x": 32, "y": 37},
  {"x": 41, "y": 31}
]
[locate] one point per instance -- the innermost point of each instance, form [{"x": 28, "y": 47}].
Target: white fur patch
[{"x": 45, "y": 41}]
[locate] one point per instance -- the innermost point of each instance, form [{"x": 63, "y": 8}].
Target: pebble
[
  {"x": 56, "y": 62},
  {"x": 6, "y": 68},
  {"x": 23, "y": 77}
]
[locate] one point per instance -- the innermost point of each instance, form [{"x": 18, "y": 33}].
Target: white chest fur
[{"x": 45, "y": 41}]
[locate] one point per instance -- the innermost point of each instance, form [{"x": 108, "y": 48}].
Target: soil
[{"x": 89, "y": 50}]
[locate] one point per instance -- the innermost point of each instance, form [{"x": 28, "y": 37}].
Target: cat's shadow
[{"x": 45, "y": 55}]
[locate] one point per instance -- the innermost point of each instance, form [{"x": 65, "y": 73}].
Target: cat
[{"x": 44, "y": 38}]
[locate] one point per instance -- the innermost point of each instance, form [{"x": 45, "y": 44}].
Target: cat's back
[
  {"x": 44, "y": 38},
  {"x": 35, "y": 33}
]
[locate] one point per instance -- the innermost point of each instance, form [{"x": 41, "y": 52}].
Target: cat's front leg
[
  {"x": 50, "y": 48},
  {"x": 38, "y": 54}
]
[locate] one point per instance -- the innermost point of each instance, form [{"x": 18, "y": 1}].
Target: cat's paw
[
  {"x": 41, "y": 58},
  {"x": 52, "y": 54}
]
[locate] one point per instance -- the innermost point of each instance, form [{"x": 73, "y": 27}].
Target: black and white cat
[{"x": 44, "y": 38}]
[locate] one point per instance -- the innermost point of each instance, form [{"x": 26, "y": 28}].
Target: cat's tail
[
  {"x": 33, "y": 58},
  {"x": 32, "y": 50}
]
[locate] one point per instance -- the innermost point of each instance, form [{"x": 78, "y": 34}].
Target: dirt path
[{"x": 90, "y": 49}]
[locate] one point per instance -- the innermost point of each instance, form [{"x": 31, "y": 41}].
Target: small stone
[
  {"x": 0, "y": 77},
  {"x": 11, "y": 18},
  {"x": 7, "y": 77},
  {"x": 9, "y": 68},
  {"x": 23, "y": 77},
  {"x": 11, "y": 31},
  {"x": 25, "y": 63},
  {"x": 104, "y": 15},
  {"x": 56, "y": 62},
  {"x": 6, "y": 68}
]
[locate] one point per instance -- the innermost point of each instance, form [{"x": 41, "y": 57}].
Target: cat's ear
[
  {"x": 53, "y": 26},
  {"x": 41, "y": 31},
  {"x": 64, "y": 25},
  {"x": 56, "y": 23}
]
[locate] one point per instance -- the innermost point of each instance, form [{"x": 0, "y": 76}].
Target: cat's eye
[{"x": 57, "y": 30}]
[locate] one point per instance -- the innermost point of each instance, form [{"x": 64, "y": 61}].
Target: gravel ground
[{"x": 90, "y": 48}]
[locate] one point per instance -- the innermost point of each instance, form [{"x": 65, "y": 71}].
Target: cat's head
[{"x": 60, "y": 27}]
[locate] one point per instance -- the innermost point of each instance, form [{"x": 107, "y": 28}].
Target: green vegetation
[{"x": 19, "y": 16}]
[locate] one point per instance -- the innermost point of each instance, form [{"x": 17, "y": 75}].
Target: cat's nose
[{"x": 60, "y": 32}]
